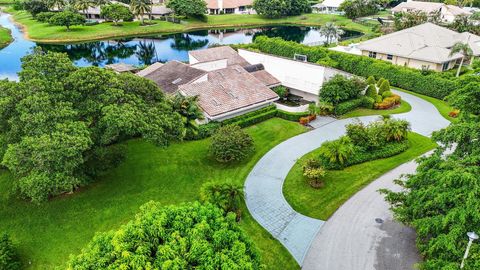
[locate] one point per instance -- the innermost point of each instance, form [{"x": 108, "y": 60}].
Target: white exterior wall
[{"x": 212, "y": 65}]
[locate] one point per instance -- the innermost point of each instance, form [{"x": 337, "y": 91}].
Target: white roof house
[
  {"x": 327, "y": 6},
  {"x": 420, "y": 46},
  {"x": 448, "y": 13}
]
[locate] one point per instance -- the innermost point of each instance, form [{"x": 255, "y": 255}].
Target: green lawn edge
[
  {"x": 5, "y": 37},
  {"x": 342, "y": 184},
  {"x": 45, "y": 33},
  {"x": 47, "y": 234},
  {"x": 403, "y": 108},
  {"x": 442, "y": 106}
]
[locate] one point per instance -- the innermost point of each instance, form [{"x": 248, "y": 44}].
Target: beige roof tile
[
  {"x": 218, "y": 53},
  {"x": 214, "y": 4}
]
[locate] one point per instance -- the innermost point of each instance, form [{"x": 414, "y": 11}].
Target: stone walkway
[{"x": 263, "y": 187}]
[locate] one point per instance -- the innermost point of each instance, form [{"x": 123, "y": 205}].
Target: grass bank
[
  {"x": 442, "y": 106},
  {"x": 5, "y": 37},
  {"x": 342, "y": 184},
  {"x": 48, "y": 233},
  {"x": 43, "y": 32},
  {"x": 403, "y": 108}
]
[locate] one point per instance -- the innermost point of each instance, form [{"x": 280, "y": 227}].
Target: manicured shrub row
[
  {"x": 252, "y": 118},
  {"x": 361, "y": 155},
  {"x": 433, "y": 85},
  {"x": 291, "y": 116},
  {"x": 350, "y": 105}
]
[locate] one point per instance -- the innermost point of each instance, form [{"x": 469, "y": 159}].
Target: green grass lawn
[
  {"x": 342, "y": 184},
  {"x": 5, "y": 37},
  {"x": 55, "y": 34},
  {"x": 442, "y": 106},
  {"x": 403, "y": 108},
  {"x": 48, "y": 233}
]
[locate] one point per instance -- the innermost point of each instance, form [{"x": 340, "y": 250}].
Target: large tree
[
  {"x": 190, "y": 236},
  {"x": 116, "y": 13},
  {"x": 192, "y": 8},
  {"x": 358, "y": 8},
  {"x": 465, "y": 50},
  {"x": 140, "y": 7},
  {"x": 441, "y": 200},
  {"x": 279, "y": 8},
  {"x": 58, "y": 119},
  {"x": 67, "y": 18}
]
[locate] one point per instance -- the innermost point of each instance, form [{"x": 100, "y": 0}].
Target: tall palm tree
[
  {"x": 59, "y": 4},
  {"x": 465, "y": 50},
  {"x": 338, "y": 151},
  {"x": 188, "y": 108},
  {"x": 140, "y": 7},
  {"x": 331, "y": 31},
  {"x": 83, "y": 5}
]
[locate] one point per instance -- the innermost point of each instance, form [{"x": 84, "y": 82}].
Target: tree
[
  {"x": 56, "y": 120},
  {"x": 67, "y": 18},
  {"x": 226, "y": 196},
  {"x": 280, "y": 8},
  {"x": 188, "y": 108},
  {"x": 358, "y": 8},
  {"x": 331, "y": 32},
  {"x": 370, "y": 80},
  {"x": 140, "y": 7},
  {"x": 230, "y": 143},
  {"x": 403, "y": 20},
  {"x": 465, "y": 50},
  {"x": 35, "y": 6},
  {"x": 116, "y": 12},
  {"x": 339, "y": 88},
  {"x": 8, "y": 255},
  {"x": 337, "y": 151},
  {"x": 83, "y": 5},
  {"x": 189, "y": 236},
  {"x": 191, "y": 8},
  {"x": 313, "y": 170},
  {"x": 371, "y": 91}
]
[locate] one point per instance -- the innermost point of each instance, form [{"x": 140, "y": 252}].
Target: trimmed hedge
[
  {"x": 291, "y": 116},
  {"x": 252, "y": 118},
  {"x": 433, "y": 85},
  {"x": 350, "y": 105}
]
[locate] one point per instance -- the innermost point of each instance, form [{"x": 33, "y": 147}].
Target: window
[
  {"x": 389, "y": 57},
  {"x": 372, "y": 54},
  {"x": 445, "y": 66}
]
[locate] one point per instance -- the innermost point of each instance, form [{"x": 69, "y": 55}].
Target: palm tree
[
  {"x": 83, "y": 5},
  {"x": 140, "y": 7},
  {"x": 145, "y": 52},
  {"x": 59, "y": 4},
  {"x": 465, "y": 50},
  {"x": 331, "y": 31},
  {"x": 338, "y": 151},
  {"x": 188, "y": 108},
  {"x": 396, "y": 130}
]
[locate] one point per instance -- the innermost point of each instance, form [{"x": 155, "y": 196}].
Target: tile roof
[
  {"x": 266, "y": 78},
  {"x": 429, "y": 7},
  {"x": 121, "y": 67},
  {"x": 228, "y": 90},
  {"x": 171, "y": 75},
  {"x": 218, "y": 53},
  {"x": 214, "y": 4},
  {"x": 427, "y": 42}
]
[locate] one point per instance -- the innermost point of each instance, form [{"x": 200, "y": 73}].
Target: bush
[
  {"x": 370, "y": 80},
  {"x": 337, "y": 151},
  {"x": 384, "y": 87},
  {"x": 387, "y": 94},
  {"x": 8, "y": 255},
  {"x": 225, "y": 196},
  {"x": 313, "y": 170},
  {"x": 367, "y": 102},
  {"x": 347, "y": 106},
  {"x": 388, "y": 102},
  {"x": 291, "y": 116},
  {"x": 230, "y": 143},
  {"x": 371, "y": 91},
  {"x": 44, "y": 16},
  {"x": 281, "y": 91},
  {"x": 35, "y": 7},
  {"x": 340, "y": 88},
  {"x": 378, "y": 99},
  {"x": 433, "y": 85},
  {"x": 395, "y": 130},
  {"x": 189, "y": 236},
  {"x": 380, "y": 81},
  {"x": 252, "y": 118}
]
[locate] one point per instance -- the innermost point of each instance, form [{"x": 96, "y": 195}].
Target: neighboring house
[
  {"x": 171, "y": 75},
  {"x": 229, "y": 92},
  {"x": 301, "y": 78},
  {"x": 448, "y": 13},
  {"x": 158, "y": 10},
  {"x": 425, "y": 46},
  {"x": 121, "y": 67},
  {"x": 230, "y": 7},
  {"x": 327, "y": 6}
]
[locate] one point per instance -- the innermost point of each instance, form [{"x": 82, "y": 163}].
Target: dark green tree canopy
[
  {"x": 279, "y": 8},
  {"x": 116, "y": 13},
  {"x": 190, "y": 236},
  {"x": 57, "y": 117},
  {"x": 67, "y": 18},
  {"x": 340, "y": 88},
  {"x": 193, "y": 8}
]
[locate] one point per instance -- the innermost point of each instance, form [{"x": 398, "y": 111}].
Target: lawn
[
  {"x": 403, "y": 108},
  {"x": 55, "y": 34},
  {"x": 48, "y": 233},
  {"x": 342, "y": 184},
  {"x": 5, "y": 37},
  {"x": 442, "y": 106}
]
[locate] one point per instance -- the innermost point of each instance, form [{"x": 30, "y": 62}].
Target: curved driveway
[{"x": 263, "y": 187}]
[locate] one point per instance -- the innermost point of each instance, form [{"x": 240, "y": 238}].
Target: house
[
  {"x": 157, "y": 11},
  {"x": 303, "y": 79},
  {"x": 229, "y": 92},
  {"x": 425, "y": 46},
  {"x": 121, "y": 67},
  {"x": 216, "y": 57},
  {"x": 171, "y": 75},
  {"x": 230, "y": 7},
  {"x": 447, "y": 13},
  {"x": 327, "y": 6}
]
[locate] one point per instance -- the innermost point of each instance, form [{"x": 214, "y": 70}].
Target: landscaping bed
[{"x": 47, "y": 234}]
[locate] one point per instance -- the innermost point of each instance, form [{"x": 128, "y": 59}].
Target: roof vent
[
  {"x": 215, "y": 102},
  {"x": 177, "y": 81}
]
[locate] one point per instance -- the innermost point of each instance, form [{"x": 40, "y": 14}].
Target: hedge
[
  {"x": 350, "y": 105},
  {"x": 249, "y": 119},
  {"x": 291, "y": 116},
  {"x": 432, "y": 84}
]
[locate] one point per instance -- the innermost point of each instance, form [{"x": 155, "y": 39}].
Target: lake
[{"x": 149, "y": 49}]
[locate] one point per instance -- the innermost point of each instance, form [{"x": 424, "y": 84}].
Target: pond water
[{"x": 150, "y": 49}]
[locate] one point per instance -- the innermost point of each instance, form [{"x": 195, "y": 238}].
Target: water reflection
[{"x": 147, "y": 50}]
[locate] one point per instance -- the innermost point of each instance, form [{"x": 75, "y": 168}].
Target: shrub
[
  {"x": 44, "y": 16},
  {"x": 371, "y": 91},
  {"x": 367, "y": 102},
  {"x": 396, "y": 129},
  {"x": 454, "y": 113},
  {"x": 388, "y": 102},
  {"x": 8, "y": 255},
  {"x": 252, "y": 118},
  {"x": 384, "y": 87},
  {"x": 189, "y": 236},
  {"x": 371, "y": 80},
  {"x": 387, "y": 94},
  {"x": 339, "y": 88},
  {"x": 281, "y": 91},
  {"x": 380, "y": 81},
  {"x": 35, "y": 7},
  {"x": 225, "y": 196},
  {"x": 378, "y": 99},
  {"x": 230, "y": 143},
  {"x": 325, "y": 108},
  {"x": 433, "y": 85},
  {"x": 337, "y": 151},
  {"x": 291, "y": 116},
  {"x": 313, "y": 170},
  {"x": 349, "y": 105}
]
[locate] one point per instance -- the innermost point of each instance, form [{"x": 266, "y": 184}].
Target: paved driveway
[{"x": 263, "y": 187}]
